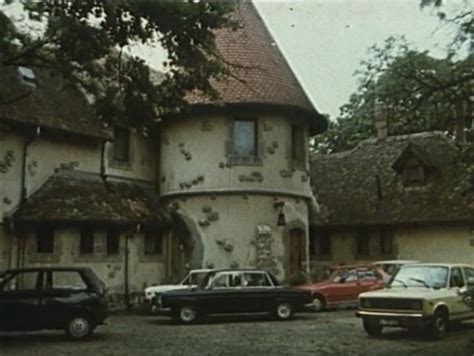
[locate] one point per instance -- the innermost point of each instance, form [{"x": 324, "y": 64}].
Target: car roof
[
  {"x": 359, "y": 266},
  {"x": 36, "y": 269},
  {"x": 439, "y": 264},
  {"x": 395, "y": 262},
  {"x": 239, "y": 270}
]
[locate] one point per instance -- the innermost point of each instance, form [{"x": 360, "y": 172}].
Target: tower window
[
  {"x": 245, "y": 138},
  {"x": 298, "y": 146}
]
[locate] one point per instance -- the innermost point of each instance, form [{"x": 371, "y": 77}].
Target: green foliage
[
  {"x": 418, "y": 92},
  {"x": 84, "y": 41}
]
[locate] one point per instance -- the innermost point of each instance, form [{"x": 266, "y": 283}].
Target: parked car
[
  {"x": 33, "y": 299},
  {"x": 390, "y": 267},
  {"x": 192, "y": 279},
  {"x": 420, "y": 296},
  {"x": 234, "y": 292},
  {"x": 344, "y": 285}
]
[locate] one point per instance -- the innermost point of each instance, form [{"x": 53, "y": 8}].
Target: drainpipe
[
  {"x": 102, "y": 160},
  {"x": 127, "y": 267},
  {"x": 125, "y": 271},
  {"x": 20, "y": 251}
]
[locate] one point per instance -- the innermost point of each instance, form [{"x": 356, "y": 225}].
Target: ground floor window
[
  {"x": 320, "y": 242},
  {"x": 153, "y": 243},
  {"x": 45, "y": 239},
  {"x": 386, "y": 243},
  {"x": 363, "y": 242},
  {"x": 86, "y": 245},
  {"x": 113, "y": 242}
]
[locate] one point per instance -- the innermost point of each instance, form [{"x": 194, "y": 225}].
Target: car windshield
[
  {"x": 197, "y": 278},
  {"x": 421, "y": 276}
]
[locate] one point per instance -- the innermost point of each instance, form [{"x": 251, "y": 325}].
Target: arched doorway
[{"x": 186, "y": 251}]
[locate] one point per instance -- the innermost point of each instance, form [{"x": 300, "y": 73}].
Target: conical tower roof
[{"x": 261, "y": 76}]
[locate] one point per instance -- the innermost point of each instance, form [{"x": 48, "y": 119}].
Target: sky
[{"x": 324, "y": 41}]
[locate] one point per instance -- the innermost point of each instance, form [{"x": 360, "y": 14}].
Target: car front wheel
[
  {"x": 79, "y": 327},
  {"x": 187, "y": 314},
  {"x": 372, "y": 327},
  {"x": 439, "y": 326},
  {"x": 284, "y": 311}
]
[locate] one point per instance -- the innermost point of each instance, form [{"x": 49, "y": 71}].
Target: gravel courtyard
[{"x": 334, "y": 332}]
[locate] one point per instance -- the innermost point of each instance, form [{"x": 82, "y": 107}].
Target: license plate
[{"x": 389, "y": 322}]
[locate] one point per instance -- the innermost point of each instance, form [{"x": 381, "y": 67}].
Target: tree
[
  {"x": 84, "y": 42},
  {"x": 418, "y": 92},
  {"x": 460, "y": 16}
]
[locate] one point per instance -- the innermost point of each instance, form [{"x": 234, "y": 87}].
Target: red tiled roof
[{"x": 264, "y": 76}]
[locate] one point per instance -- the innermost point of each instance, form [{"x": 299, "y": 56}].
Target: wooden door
[{"x": 296, "y": 252}]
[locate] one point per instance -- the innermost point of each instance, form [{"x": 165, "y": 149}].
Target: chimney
[{"x": 380, "y": 120}]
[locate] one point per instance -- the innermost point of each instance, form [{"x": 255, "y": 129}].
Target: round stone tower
[{"x": 235, "y": 173}]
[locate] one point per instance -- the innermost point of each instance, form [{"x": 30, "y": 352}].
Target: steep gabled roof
[
  {"x": 73, "y": 196},
  {"x": 46, "y": 101},
  {"x": 362, "y": 186},
  {"x": 260, "y": 73}
]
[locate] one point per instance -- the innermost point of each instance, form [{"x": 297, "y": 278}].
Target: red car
[{"x": 344, "y": 285}]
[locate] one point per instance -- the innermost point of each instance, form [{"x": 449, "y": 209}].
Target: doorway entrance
[{"x": 296, "y": 252}]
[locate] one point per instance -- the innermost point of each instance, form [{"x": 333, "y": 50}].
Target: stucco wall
[
  {"x": 195, "y": 148},
  {"x": 232, "y": 206},
  {"x": 142, "y": 164},
  {"x": 434, "y": 243},
  {"x": 229, "y": 228},
  {"x": 437, "y": 243},
  {"x": 143, "y": 270},
  {"x": 11, "y": 157}
]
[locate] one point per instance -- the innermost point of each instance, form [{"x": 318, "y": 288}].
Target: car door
[
  {"x": 20, "y": 301},
  {"x": 224, "y": 294},
  {"x": 458, "y": 309},
  {"x": 368, "y": 280},
  {"x": 344, "y": 287},
  {"x": 64, "y": 293},
  {"x": 259, "y": 292}
]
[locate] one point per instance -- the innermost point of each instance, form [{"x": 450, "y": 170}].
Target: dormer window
[
  {"x": 414, "y": 172},
  {"x": 414, "y": 165},
  {"x": 27, "y": 76}
]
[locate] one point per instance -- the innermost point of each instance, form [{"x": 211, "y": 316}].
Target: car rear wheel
[
  {"x": 372, "y": 327},
  {"x": 79, "y": 327},
  {"x": 439, "y": 327},
  {"x": 284, "y": 311},
  {"x": 187, "y": 314}
]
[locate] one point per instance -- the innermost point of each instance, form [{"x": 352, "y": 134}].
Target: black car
[
  {"x": 233, "y": 292},
  {"x": 33, "y": 299}
]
